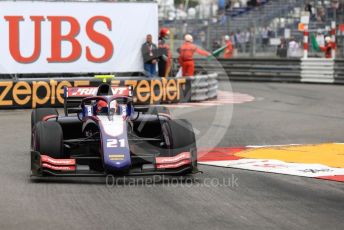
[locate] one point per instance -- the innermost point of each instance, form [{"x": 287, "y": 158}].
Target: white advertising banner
[{"x": 74, "y": 37}]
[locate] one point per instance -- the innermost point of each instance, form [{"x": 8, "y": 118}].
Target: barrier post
[
  {"x": 305, "y": 21},
  {"x": 305, "y": 41},
  {"x": 333, "y": 38}
]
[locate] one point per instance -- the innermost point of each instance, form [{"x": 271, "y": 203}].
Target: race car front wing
[{"x": 43, "y": 165}]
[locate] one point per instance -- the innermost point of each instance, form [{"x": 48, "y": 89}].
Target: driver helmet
[{"x": 100, "y": 105}]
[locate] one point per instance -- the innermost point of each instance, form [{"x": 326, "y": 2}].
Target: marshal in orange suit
[
  {"x": 186, "y": 54},
  {"x": 229, "y": 48}
]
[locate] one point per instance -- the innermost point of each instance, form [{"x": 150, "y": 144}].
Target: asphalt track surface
[{"x": 281, "y": 114}]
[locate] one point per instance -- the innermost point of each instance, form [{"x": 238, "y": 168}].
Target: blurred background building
[{"x": 256, "y": 27}]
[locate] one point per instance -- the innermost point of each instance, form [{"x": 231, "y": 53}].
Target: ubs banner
[
  {"x": 49, "y": 92},
  {"x": 74, "y": 37}
]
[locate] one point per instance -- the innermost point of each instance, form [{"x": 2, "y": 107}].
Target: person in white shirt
[
  {"x": 243, "y": 3},
  {"x": 293, "y": 48},
  {"x": 242, "y": 41},
  {"x": 320, "y": 38}
]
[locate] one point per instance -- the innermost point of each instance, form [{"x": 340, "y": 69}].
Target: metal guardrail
[
  {"x": 249, "y": 69},
  {"x": 319, "y": 70},
  {"x": 204, "y": 87},
  {"x": 339, "y": 71},
  {"x": 316, "y": 70}
]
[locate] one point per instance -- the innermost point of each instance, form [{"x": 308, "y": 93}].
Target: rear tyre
[
  {"x": 48, "y": 139},
  {"x": 38, "y": 115},
  {"x": 180, "y": 137}
]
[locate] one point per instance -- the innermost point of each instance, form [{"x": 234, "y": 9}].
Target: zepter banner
[
  {"x": 50, "y": 92},
  {"x": 74, "y": 37}
]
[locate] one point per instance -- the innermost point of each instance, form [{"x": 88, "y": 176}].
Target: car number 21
[{"x": 115, "y": 143}]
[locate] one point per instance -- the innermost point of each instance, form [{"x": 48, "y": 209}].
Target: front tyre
[
  {"x": 48, "y": 139},
  {"x": 38, "y": 115},
  {"x": 179, "y": 137}
]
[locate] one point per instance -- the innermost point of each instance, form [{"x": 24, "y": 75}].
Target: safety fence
[
  {"x": 311, "y": 70},
  {"x": 49, "y": 92}
]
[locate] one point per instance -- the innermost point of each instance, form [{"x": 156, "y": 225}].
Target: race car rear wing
[{"x": 74, "y": 95}]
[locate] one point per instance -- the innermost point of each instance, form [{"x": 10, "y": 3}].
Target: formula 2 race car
[{"x": 103, "y": 133}]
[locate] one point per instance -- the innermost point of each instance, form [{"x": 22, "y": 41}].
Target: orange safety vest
[
  {"x": 229, "y": 50},
  {"x": 163, "y": 45},
  {"x": 328, "y": 49},
  {"x": 187, "y": 51}
]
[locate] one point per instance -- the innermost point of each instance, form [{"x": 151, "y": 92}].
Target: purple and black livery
[{"x": 102, "y": 133}]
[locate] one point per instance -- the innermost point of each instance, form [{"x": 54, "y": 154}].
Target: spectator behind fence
[
  {"x": 247, "y": 39},
  {"x": 237, "y": 38},
  {"x": 282, "y": 49},
  {"x": 265, "y": 38},
  {"x": 252, "y": 3},
  {"x": 293, "y": 48},
  {"x": 242, "y": 41},
  {"x": 149, "y": 50},
  {"x": 233, "y": 39},
  {"x": 216, "y": 45},
  {"x": 309, "y": 8},
  {"x": 321, "y": 14},
  {"x": 320, "y": 38}
]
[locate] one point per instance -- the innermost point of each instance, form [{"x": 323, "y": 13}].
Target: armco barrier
[
  {"x": 204, "y": 87},
  {"x": 311, "y": 70},
  {"x": 318, "y": 70},
  {"x": 339, "y": 71},
  {"x": 250, "y": 69},
  {"x": 32, "y": 93}
]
